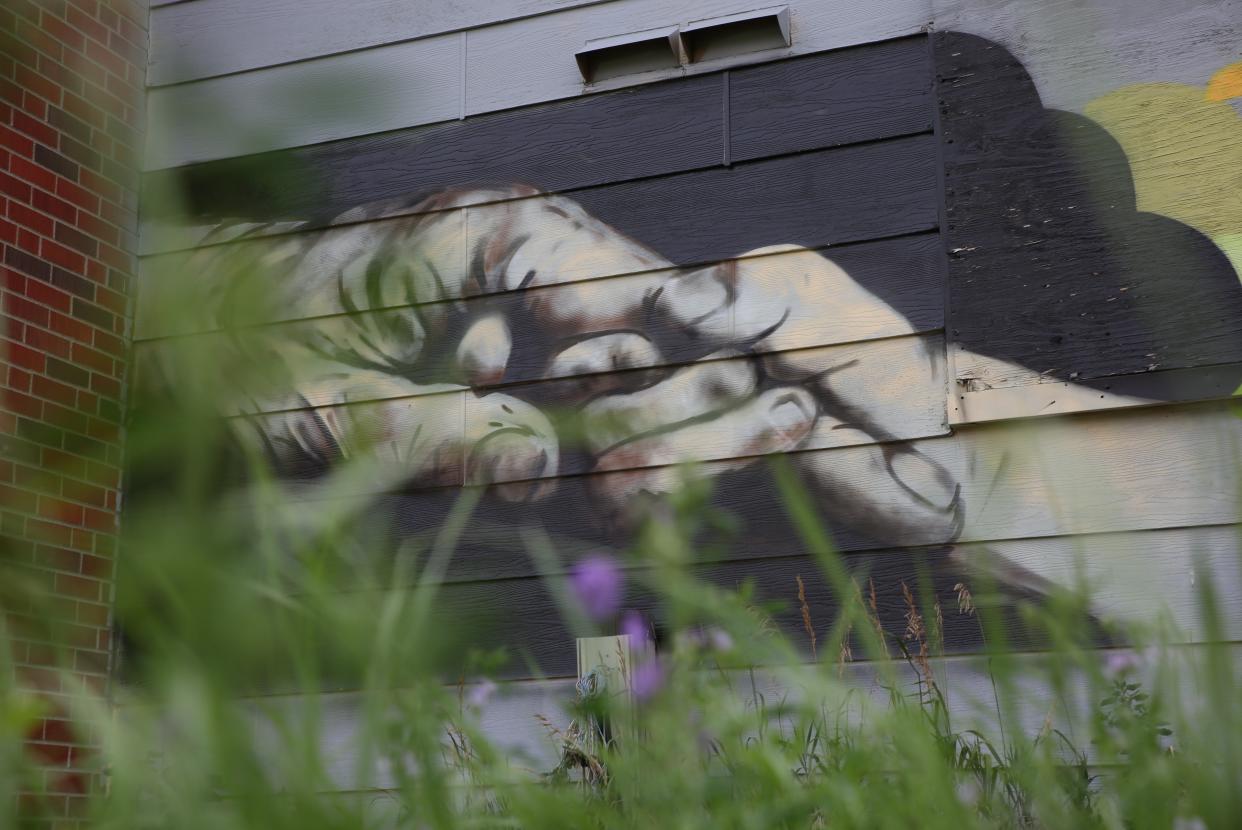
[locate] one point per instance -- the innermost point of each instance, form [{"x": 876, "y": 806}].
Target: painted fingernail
[{"x": 792, "y": 412}]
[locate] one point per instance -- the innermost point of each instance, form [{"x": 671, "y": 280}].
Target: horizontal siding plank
[
  {"x": 387, "y": 88},
  {"x": 199, "y": 39},
  {"x": 627, "y": 134},
  {"x": 511, "y": 717},
  {"x": 500, "y": 73},
  {"x": 418, "y": 82},
  {"x": 836, "y": 98},
  {"x": 1098, "y": 473},
  {"x": 813, "y": 200},
  {"x": 711, "y": 410},
  {"x": 993, "y": 390},
  {"x": 522, "y": 616},
  {"x": 268, "y": 359},
  {"x": 663, "y": 128}
]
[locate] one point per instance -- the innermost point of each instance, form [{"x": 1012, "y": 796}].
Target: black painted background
[{"x": 1046, "y": 261}]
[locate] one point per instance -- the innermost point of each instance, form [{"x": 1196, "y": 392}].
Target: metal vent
[
  {"x": 737, "y": 34},
  {"x": 630, "y": 54}
]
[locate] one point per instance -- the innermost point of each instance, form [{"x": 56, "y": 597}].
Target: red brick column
[{"x": 71, "y": 112}]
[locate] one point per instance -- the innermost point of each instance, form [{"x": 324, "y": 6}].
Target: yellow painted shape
[
  {"x": 1226, "y": 84},
  {"x": 1185, "y": 155}
]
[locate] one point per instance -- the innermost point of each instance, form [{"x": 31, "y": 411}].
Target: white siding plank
[
  {"x": 1076, "y": 52},
  {"x": 204, "y": 38},
  {"x": 338, "y": 97},
  {"x": 500, "y": 72}
]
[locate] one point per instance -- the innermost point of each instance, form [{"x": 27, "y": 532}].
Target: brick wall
[{"x": 71, "y": 80}]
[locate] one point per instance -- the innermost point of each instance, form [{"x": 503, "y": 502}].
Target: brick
[
  {"x": 18, "y": 50},
  {"x": 73, "y": 283},
  {"x": 15, "y": 141},
  {"x": 87, "y": 24},
  {"x": 39, "y": 39},
  {"x": 39, "y": 433},
  {"x": 77, "y": 106},
  {"x": 67, "y": 372},
  {"x": 96, "y": 227},
  {"x": 34, "y": 105},
  {"x": 35, "y": 174},
  {"x": 86, "y": 493},
  {"x": 105, "y": 100},
  {"x": 67, "y": 123},
  {"x": 70, "y": 327},
  {"x": 66, "y": 418},
  {"x": 47, "y": 342},
  {"x": 57, "y": 207},
  {"x": 64, "y": 462},
  {"x": 18, "y": 379},
  {"x": 58, "y": 559},
  {"x": 78, "y": 587},
  {"x": 86, "y": 356},
  {"x": 111, "y": 300},
  {"x": 14, "y": 187},
  {"x": 25, "y": 357},
  {"x": 91, "y": 613},
  {"x": 21, "y": 403},
  {"x": 53, "y": 390},
  {"x": 109, "y": 343},
  {"x": 28, "y": 241},
  {"x": 49, "y": 754},
  {"x": 103, "y": 520},
  {"x": 37, "y": 222},
  {"x": 24, "y": 309},
  {"x": 48, "y": 295},
  {"x": 58, "y": 254},
  {"x": 57, "y": 163},
  {"x": 105, "y": 57},
  {"x": 101, "y": 186},
  {"x": 63, "y": 32},
  {"x": 34, "y": 128},
  {"x": 16, "y": 499},
  {"x": 58, "y": 510},
  {"x": 93, "y": 314},
  {"x": 79, "y": 196},
  {"x": 31, "y": 79},
  {"x": 116, "y": 258}
]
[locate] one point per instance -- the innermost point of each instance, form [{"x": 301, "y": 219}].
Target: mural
[{"x": 839, "y": 304}]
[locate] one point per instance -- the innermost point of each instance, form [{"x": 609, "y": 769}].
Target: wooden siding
[
  {"x": 1077, "y": 343},
  {"x": 422, "y": 82}
]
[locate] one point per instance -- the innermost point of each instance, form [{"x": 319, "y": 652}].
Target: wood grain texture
[
  {"x": 510, "y": 719},
  {"x": 992, "y": 390},
  {"x": 337, "y": 97},
  {"x": 854, "y": 95},
  {"x": 1051, "y": 265},
  {"x": 216, "y": 37},
  {"x": 1057, "y": 478},
  {"x": 814, "y": 200},
  {"x": 1079, "y": 51},
  {"x": 270, "y": 358},
  {"x": 658, "y": 129},
  {"x": 403, "y": 85},
  {"x": 500, "y": 75},
  {"x": 836, "y": 98},
  {"x": 521, "y": 614}
]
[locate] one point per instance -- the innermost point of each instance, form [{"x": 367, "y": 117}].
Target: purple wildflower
[
  {"x": 1122, "y": 662},
  {"x": 480, "y": 693},
  {"x": 597, "y": 583},
  {"x": 647, "y": 679},
  {"x": 635, "y": 627}
]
